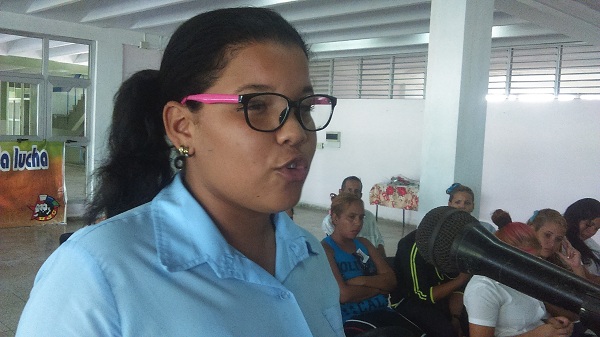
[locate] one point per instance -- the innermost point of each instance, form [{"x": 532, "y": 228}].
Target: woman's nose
[{"x": 291, "y": 131}]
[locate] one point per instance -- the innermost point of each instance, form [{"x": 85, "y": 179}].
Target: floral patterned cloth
[{"x": 395, "y": 195}]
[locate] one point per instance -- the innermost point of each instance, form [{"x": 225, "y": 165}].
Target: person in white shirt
[
  {"x": 495, "y": 309},
  {"x": 353, "y": 184}
]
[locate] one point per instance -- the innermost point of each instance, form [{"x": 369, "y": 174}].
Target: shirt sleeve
[
  {"x": 422, "y": 285},
  {"x": 482, "y": 302},
  {"x": 415, "y": 276},
  {"x": 70, "y": 297},
  {"x": 326, "y": 226},
  {"x": 375, "y": 233}
]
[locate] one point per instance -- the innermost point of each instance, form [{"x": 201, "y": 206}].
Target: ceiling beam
[
  {"x": 125, "y": 8},
  {"x": 44, "y": 5},
  {"x": 551, "y": 18}
]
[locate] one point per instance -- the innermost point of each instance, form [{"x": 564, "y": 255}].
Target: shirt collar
[{"x": 186, "y": 237}]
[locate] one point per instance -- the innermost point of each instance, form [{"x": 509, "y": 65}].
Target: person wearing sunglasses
[
  {"x": 364, "y": 277},
  {"x": 204, "y": 157}
]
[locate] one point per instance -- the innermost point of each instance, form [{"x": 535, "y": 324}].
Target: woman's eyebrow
[
  {"x": 253, "y": 87},
  {"x": 308, "y": 90}
]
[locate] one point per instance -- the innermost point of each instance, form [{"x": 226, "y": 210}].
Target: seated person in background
[
  {"x": 550, "y": 229},
  {"x": 364, "y": 278},
  {"x": 501, "y": 218},
  {"x": 352, "y": 184},
  {"x": 497, "y": 310},
  {"x": 424, "y": 295},
  {"x": 583, "y": 222},
  {"x": 463, "y": 198}
]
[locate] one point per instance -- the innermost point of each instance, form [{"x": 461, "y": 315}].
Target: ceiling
[{"x": 338, "y": 28}]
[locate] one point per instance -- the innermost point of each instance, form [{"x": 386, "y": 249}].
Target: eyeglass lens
[{"x": 268, "y": 111}]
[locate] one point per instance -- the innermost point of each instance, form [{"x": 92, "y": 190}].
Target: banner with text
[{"x": 32, "y": 180}]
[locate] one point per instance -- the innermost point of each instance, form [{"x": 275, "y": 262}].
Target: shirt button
[{"x": 284, "y": 295}]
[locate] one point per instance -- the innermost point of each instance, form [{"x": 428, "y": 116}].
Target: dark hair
[
  {"x": 456, "y": 187},
  {"x": 580, "y": 210},
  {"x": 355, "y": 178},
  {"x": 138, "y": 163},
  {"x": 501, "y": 218}
]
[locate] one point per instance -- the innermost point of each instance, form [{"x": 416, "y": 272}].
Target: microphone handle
[{"x": 478, "y": 252}]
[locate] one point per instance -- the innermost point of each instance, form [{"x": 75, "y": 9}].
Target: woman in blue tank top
[{"x": 364, "y": 277}]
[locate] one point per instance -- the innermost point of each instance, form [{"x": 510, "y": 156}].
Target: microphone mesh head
[{"x": 436, "y": 233}]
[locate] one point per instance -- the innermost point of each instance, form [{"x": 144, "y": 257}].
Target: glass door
[{"x": 44, "y": 84}]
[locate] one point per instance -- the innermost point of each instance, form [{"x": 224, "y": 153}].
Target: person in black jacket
[{"x": 426, "y": 296}]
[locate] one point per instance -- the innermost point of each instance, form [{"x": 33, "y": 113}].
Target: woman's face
[
  {"x": 236, "y": 168},
  {"x": 588, "y": 228},
  {"x": 550, "y": 235},
  {"x": 462, "y": 201},
  {"x": 350, "y": 222}
]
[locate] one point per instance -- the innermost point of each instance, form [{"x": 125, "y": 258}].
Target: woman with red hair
[{"x": 497, "y": 310}]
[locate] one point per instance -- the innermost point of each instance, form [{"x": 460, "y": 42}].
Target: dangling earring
[{"x": 179, "y": 161}]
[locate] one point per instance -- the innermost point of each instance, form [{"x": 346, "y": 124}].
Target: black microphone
[{"x": 454, "y": 241}]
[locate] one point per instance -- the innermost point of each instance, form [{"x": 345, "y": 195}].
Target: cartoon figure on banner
[{"x": 45, "y": 209}]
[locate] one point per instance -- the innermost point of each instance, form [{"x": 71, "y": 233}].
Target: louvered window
[
  {"x": 375, "y": 77},
  {"x": 499, "y": 67},
  {"x": 320, "y": 76},
  {"x": 409, "y": 75},
  {"x": 346, "y": 80},
  {"x": 399, "y": 76},
  {"x": 551, "y": 70},
  {"x": 580, "y": 70},
  {"x": 533, "y": 70}
]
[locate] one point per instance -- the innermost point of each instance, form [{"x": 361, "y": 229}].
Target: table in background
[{"x": 405, "y": 197}]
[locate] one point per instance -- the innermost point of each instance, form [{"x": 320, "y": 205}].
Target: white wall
[
  {"x": 537, "y": 155},
  {"x": 379, "y": 139},
  {"x": 540, "y": 155},
  {"x": 136, "y": 59}
]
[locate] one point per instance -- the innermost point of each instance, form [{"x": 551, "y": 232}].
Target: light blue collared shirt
[{"x": 164, "y": 269}]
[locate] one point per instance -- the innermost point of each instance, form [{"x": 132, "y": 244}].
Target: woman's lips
[{"x": 295, "y": 170}]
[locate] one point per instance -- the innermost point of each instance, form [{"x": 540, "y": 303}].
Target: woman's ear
[
  {"x": 334, "y": 218},
  {"x": 177, "y": 119}
]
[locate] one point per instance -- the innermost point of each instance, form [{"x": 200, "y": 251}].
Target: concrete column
[{"x": 455, "y": 106}]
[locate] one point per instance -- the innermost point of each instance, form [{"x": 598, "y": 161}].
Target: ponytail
[
  {"x": 501, "y": 218},
  {"x": 138, "y": 163}
]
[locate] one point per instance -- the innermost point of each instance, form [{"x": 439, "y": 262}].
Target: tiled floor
[{"x": 24, "y": 249}]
